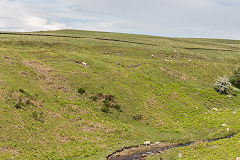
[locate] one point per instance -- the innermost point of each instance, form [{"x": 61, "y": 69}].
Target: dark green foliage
[
  {"x": 105, "y": 109},
  {"x": 19, "y": 105},
  {"x": 94, "y": 98},
  {"x": 138, "y": 117},
  {"x": 38, "y": 116},
  {"x": 81, "y": 90},
  {"x": 235, "y": 78},
  {"x": 25, "y": 93},
  {"x": 108, "y": 101}
]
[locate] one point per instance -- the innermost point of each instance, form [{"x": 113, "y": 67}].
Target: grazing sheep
[
  {"x": 153, "y": 56},
  {"x": 84, "y": 63}
]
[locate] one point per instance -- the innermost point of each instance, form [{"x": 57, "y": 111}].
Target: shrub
[
  {"x": 235, "y": 78},
  {"x": 38, "y": 116},
  {"x": 81, "y": 90},
  {"x": 222, "y": 85}
]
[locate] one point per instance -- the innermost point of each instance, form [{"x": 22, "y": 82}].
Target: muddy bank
[{"x": 142, "y": 151}]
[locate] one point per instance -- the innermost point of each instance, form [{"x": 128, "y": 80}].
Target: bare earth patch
[
  {"x": 10, "y": 150},
  {"x": 45, "y": 74}
]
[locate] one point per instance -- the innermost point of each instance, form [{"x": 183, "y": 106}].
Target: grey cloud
[{"x": 185, "y": 18}]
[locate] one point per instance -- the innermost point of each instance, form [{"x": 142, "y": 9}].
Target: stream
[{"x": 142, "y": 151}]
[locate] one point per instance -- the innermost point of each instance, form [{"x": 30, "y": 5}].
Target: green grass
[{"x": 172, "y": 100}]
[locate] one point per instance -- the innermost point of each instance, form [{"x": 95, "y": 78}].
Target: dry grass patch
[
  {"x": 51, "y": 81},
  {"x": 6, "y": 149}
]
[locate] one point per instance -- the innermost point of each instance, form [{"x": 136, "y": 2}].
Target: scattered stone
[
  {"x": 153, "y": 56},
  {"x": 229, "y": 96},
  {"x": 175, "y": 51},
  {"x": 147, "y": 143},
  {"x": 149, "y": 153},
  {"x": 144, "y": 155},
  {"x": 215, "y": 109},
  {"x": 133, "y": 66},
  {"x": 156, "y": 143},
  {"x": 224, "y": 124}
]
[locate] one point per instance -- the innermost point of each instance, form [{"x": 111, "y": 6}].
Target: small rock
[
  {"x": 229, "y": 96},
  {"x": 224, "y": 124},
  {"x": 215, "y": 109},
  {"x": 156, "y": 143},
  {"x": 144, "y": 155},
  {"x": 147, "y": 143}
]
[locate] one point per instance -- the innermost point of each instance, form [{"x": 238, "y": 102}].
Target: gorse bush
[
  {"x": 222, "y": 85},
  {"x": 235, "y": 78}
]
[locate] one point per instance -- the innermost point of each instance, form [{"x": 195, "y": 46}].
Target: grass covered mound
[{"x": 84, "y": 98}]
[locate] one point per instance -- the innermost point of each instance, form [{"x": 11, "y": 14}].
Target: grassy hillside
[{"x": 130, "y": 96}]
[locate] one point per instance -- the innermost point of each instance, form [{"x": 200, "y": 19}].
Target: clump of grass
[
  {"x": 19, "y": 105},
  {"x": 81, "y": 90},
  {"x": 38, "y": 116},
  {"x": 108, "y": 101},
  {"x": 138, "y": 117}
]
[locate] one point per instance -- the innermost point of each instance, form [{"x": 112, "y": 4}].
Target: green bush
[
  {"x": 222, "y": 85},
  {"x": 235, "y": 78},
  {"x": 81, "y": 90}
]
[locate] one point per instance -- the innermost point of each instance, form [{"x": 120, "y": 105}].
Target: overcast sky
[{"x": 175, "y": 18}]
